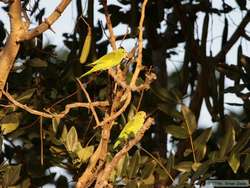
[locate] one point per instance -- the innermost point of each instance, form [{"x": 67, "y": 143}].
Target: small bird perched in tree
[
  {"x": 107, "y": 61},
  {"x": 131, "y": 128}
]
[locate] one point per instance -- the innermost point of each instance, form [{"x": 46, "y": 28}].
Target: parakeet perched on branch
[
  {"x": 107, "y": 61},
  {"x": 131, "y": 128}
]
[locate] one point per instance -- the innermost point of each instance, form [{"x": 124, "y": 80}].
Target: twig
[
  {"x": 102, "y": 180},
  {"x": 140, "y": 46},
  {"x": 140, "y": 100},
  {"x": 120, "y": 111},
  {"x": 109, "y": 24},
  {"x": 63, "y": 99},
  {"x": 67, "y": 109},
  {"x": 89, "y": 100},
  {"x": 41, "y": 139}
]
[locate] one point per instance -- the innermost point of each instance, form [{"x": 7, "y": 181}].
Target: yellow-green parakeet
[
  {"x": 107, "y": 61},
  {"x": 131, "y": 128}
]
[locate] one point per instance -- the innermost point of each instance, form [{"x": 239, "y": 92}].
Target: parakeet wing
[
  {"x": 107, "y": 61},
  {"x": 131, "y": 128},
  {"x": 115, "y": 56}
]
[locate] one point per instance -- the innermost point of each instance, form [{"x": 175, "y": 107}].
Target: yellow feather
[{"x": 131, "y": 128}]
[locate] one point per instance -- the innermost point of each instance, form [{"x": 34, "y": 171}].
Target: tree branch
[
  {"x": 236, "y": 35},
  {"x": 10, "y": 50},
  {"x": 140, "y": 46},
  {"x": 89, "y": 100},
  {"x": 19, "y": 32},
  {"x": 102, "y": 180},
  {"x": 46, "y": 24},
  {"x": 109, "y": 24},
  {"x": 67, "y": 109}
]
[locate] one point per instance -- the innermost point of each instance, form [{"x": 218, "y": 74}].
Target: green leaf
[
  {"x": 148, "y": 169},
  {"x": 131, "y": 113},
  {"x": 200, "y": 142},
  {"x": 64, "y": 134},
  {"x": 26, "y": 95},
  {"x": 132, "y": 184},
  {"x": 177, "y": 131},
  {"x": 202, "y": 169},
  {"x": 55, "y": 124},
  {"x": 119, "y": 167},
  {"x": 38, "y": 63},
  {"x": 85, "y": 153},
  {"x": 227, "y": 142},
  {"x": 25, "y": 183},
  {"x": 189, "y": 118},
  {"x": 169, "y": 96},
  {"x": 234, "y": 162},
  {"x": 134, "y": 164},
  {"x": 243, "y": 141},
  {"x": 183, "y": 178},
  {"x": 246, "y": 163},
  {"x": 195, "y": 166},
  {"x": 167, "y": 109},
  {"x": 148, "y": 182},
  {"x": 10, "y": 123},
  {"x": 204, "y": 136},
  {"x": 11, "y": 175},
  {"x": 184, "y": 166},
  {"x": 72, "y": 140},
  {"x": 124, "y": 171}
]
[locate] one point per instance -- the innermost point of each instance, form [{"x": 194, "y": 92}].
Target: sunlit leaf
[
  {"x": 86, "y": 46},
  {"x": 72, "y": 140},
  {"x": 184, "y": 166},
  {"x": 55, "y": 124},
  {"x": 10, "y": 123},
  {"x": 148, "y": 182},
  {"x": 64, "y": 134},
  {"x": 85, "y": 153},
  {"x": 234, "y": 162},
  {"x": 195, "y": 166}
]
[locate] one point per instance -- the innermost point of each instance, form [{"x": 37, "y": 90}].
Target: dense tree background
[{"x": 177, "y": 145}]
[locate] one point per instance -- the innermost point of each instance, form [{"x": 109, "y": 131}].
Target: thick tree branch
[
  {"x": 10, "y": 50},
  {"x": 19, "y": 32},
  {"x": 47, "y": 23}
]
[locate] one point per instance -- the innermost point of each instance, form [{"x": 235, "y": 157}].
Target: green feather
[
  {"x": 131, "y": 128},
  {"x": 107, "y": 61}
]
